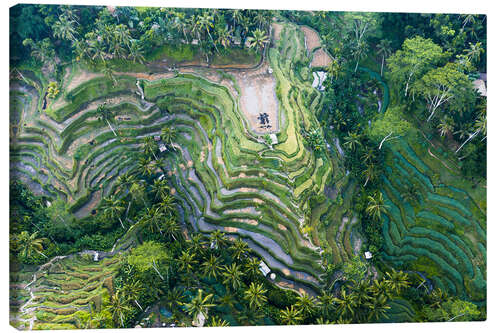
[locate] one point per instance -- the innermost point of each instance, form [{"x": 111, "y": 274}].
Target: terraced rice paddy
[
  {"x": 226, "y": 177},
  {"x": 441, "y": 233}
]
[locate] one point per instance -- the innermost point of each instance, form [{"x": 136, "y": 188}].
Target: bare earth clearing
[{"x": 312, "y": 38}]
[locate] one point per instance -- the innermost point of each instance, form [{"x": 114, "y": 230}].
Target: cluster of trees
[{"x": 97, "y": 34}]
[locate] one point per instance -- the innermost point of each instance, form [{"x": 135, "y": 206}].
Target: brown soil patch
[
  {"x": 276, "y": 31},
  {"x": 312, "y": 38},
  {"x": 258, "y": 95},
  {"x": 231, "y": 229},
  {"x": 282, "y": 227},
  {"x": 202, "y": 156},
  {"x": 321, "y": 58},
  {"x": 285, "y": 271}
]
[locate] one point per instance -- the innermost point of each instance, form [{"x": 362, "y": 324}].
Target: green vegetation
[{"x": 143, "y": 194}]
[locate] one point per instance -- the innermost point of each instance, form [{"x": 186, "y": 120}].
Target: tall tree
[{"x": 416, "y": 56}]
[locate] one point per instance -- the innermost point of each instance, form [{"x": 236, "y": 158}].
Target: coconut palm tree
[
  {"x": 446, "y": 126},
  {"x": 106, "y": 114},
  {"x": 370, "y": 173},
  {"x": 136, "y": 53},
  {"x": 305, "y": 304},
  {"x": 150, "y": 146},
  {"x": 352, "y": 140},
  {"x": 64, "y": 28},
  {"x": 167, "y": 204},
  {"x": 474, "y": 51},
  {"x": 362, "y": 292},
  {"x": 212, "y": 267},
  {"x": 255, "y": 295},
  {"x": 224, "y": 36},
  {"x": 160, "y": 188},
  {"x": 218, "y": 239},
  {"x": 259, "y": 39},
  {"x": 384, "y": 49},
  {"x": 205, "y": 22},
  {"x": 252, "y": 267},
  {"x": 199, "y": 304},
  {"x": 187, "y": 261},
  {"x": 137, "y": 191},
  {"x": 170, "y": 227},
  {"x": 233, "y": 276},
  {"x": 397, "y": 281},
  {"x": 346, "y": 303},
  {"x": 376, "y": 205},
  {"x": 118, "y": 307},
  {"x": 325, "y": 304},
  {"x": 133, "y": 291},
  {"x": 123, "y": 35},
  {"x": 217, "y": 322},
  {"x": 290, "y": 316},
  {"x": 239, "y": 249},
  {"x": 113, "y": 208},
  {"x": 168, "y": 134},
  {"x": 196, "y": 244},
  {"x": 378, "y": 308},
  {"x": 29, "y": 244},
  {"x": 237, "y": 16}
]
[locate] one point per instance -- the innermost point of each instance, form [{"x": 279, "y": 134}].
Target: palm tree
[
  {"x": 259, "y": 39},
  {"x": 137, "y": 190},
  {"x": 106, "y": 114},
  {"x": 217, "y": 322},
  {"x": 118, "y": 307},
  {"x": 380, "y": 287},
  {"x": 239, "y": 248},
  {"x": 474, "y": 51},
  {"x": 378, "y": 307},
  {"x": 325, "y": 304},
  {"x": 136, "y": 52},
  {"x": 256, "y": 295},
  {"x": 29, "y": 244},
  {"x": 199, "y": 304},
  {"x": 196, "y": 244},
  {"x": 187, "y": 261},
  {"x": 168, "y": 134},
  {"x": 446, "y": 126},
  {"x": 333, "y": 69},
  {"x": 175, "y": 297},
  {"x": 384, "y": 48},
  {"x": 64, "y": 28},
  {"x": 205, "y": 22},
  {"x": 224, "y": 36},
  {"x": 376, "y": 205},
  {"x": 218, "y": 239},
  {"x": 252, "y": 267},
  {"x": 237, "y": 16},
  {"x": 305, "y": 304},
  {"x": 133, "y": 291},
  {"x": 479, "y": 127},
  {"x": 411, "y": 193},
  {"x": 113, "y": 208},
  {"x": 232, "y": 276},
  {"x": 123, "y": 34},
  {"x": 150, "y": 146},
  {"x": 370, "y": 173},
  {"x": 397, "y": 281},
  {"x": 362, "y": 291},
  {"x": 290, "y": 316},
  {"x": 212, "y": 267},
  {"x": 160, "y": 188},
  {"x": 352, "y": 140},
  {"x": 116, "y": 47},
  {"x": 167, "y": 205},
  {"x": 346, "y": 303},
  {"x": 170, "y": 227}
]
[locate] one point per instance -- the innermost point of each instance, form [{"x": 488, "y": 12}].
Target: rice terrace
[{"x": 175, "y": 167}]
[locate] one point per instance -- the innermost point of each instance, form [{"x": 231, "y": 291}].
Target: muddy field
[
  {"x": 321, "y": 58},
  {"x": 312, "y": 38},
  {"x": 258, "y": 95}
]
